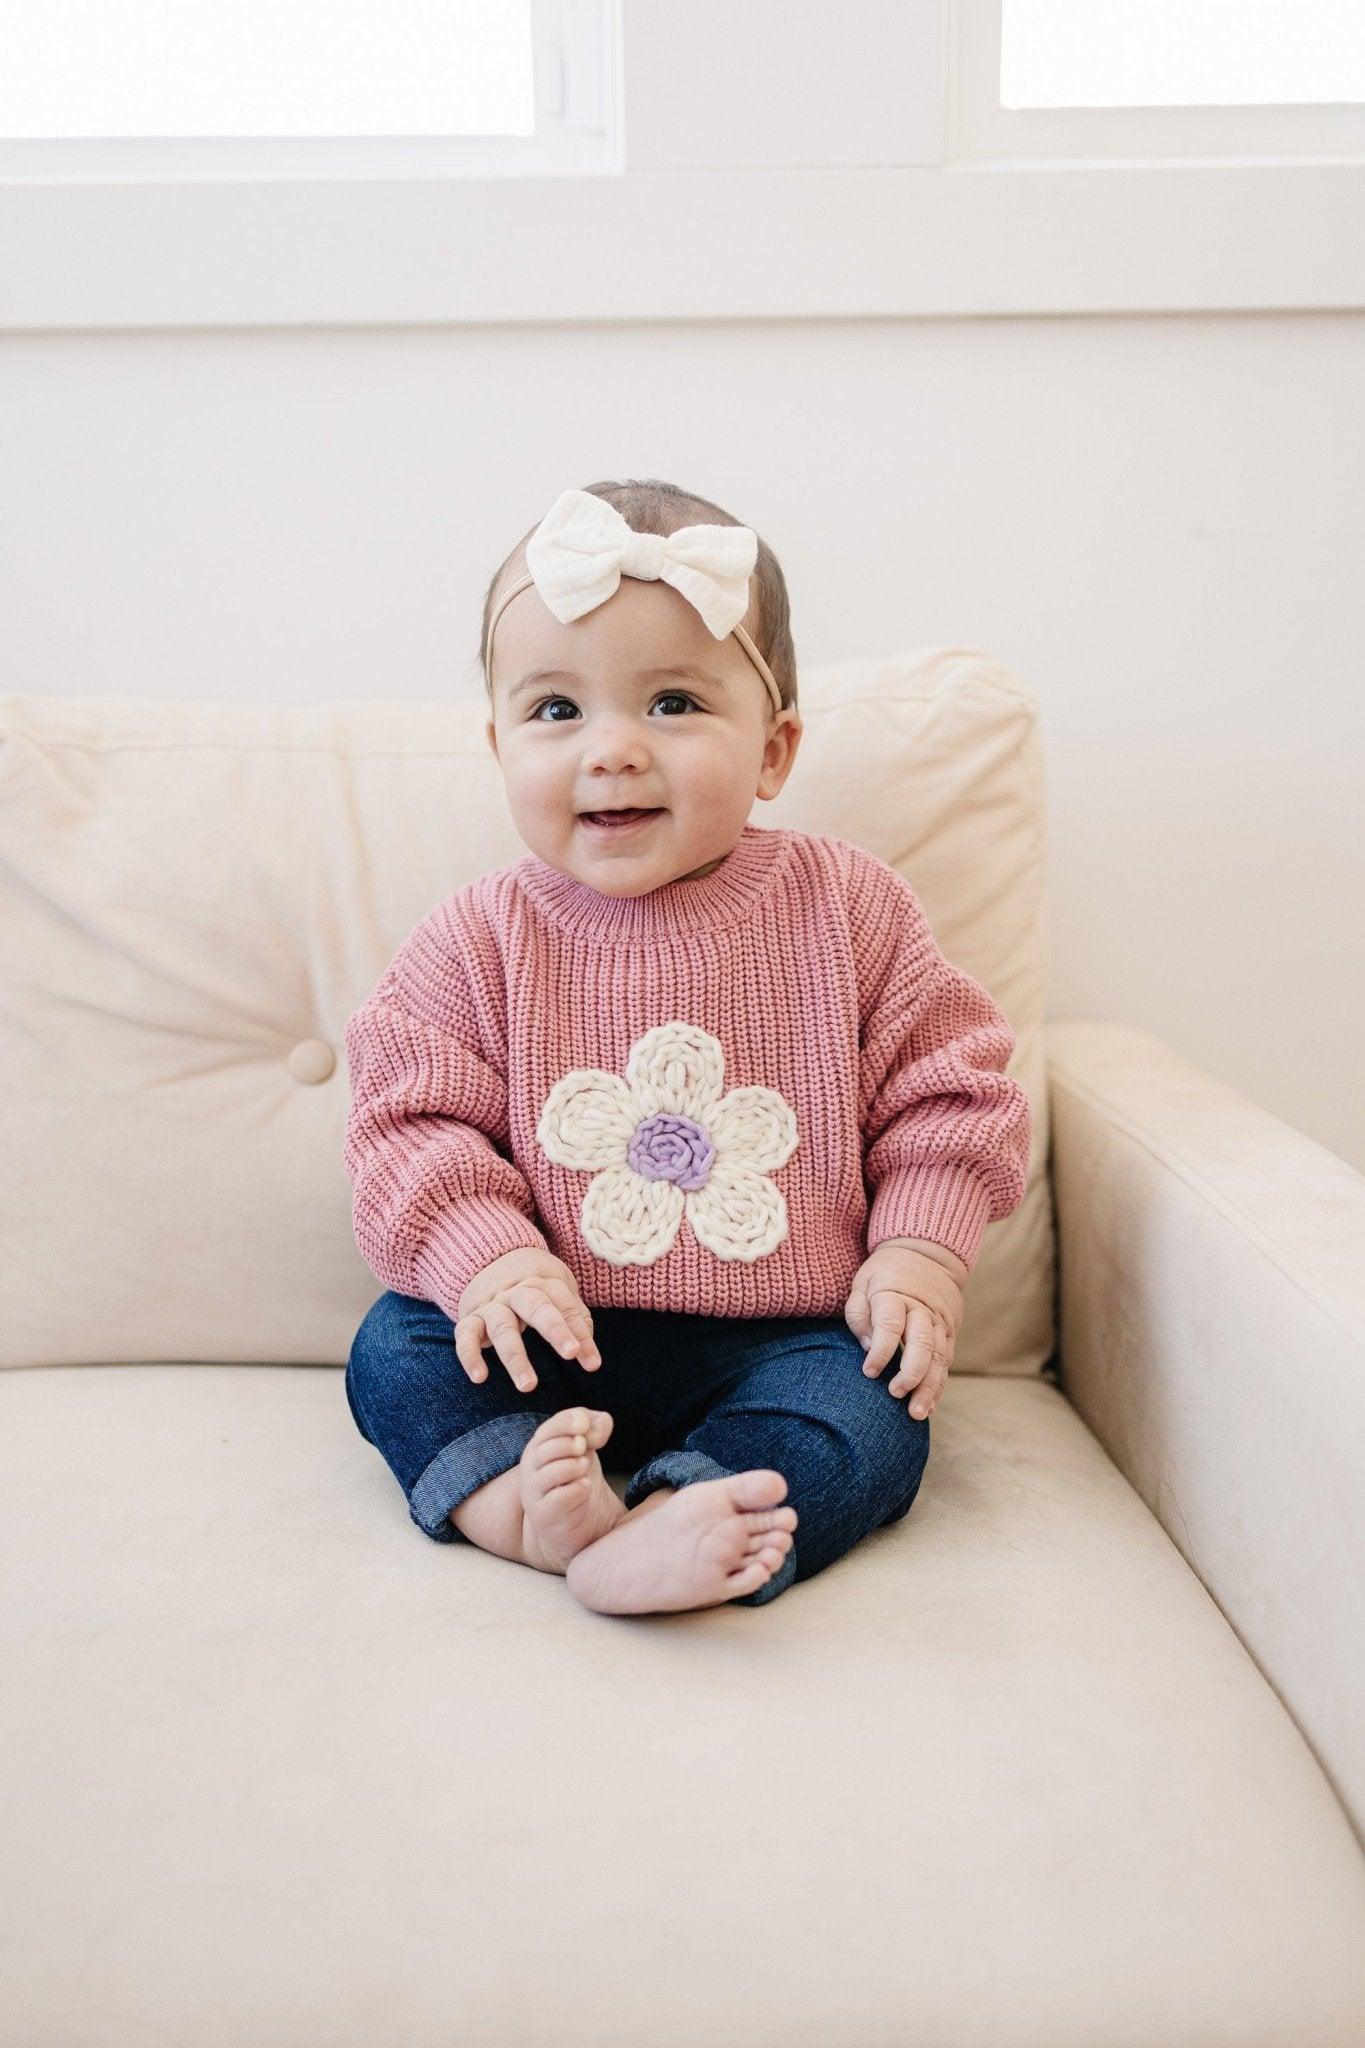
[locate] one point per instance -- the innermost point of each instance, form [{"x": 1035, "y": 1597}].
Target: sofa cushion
[
  {"x": 277, "y": 1768},
  {"x": 195, "y": 896}
]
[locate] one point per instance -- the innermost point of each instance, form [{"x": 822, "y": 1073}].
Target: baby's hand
[
  {"x": 898, "y": 1292},
  {"x": 528, "y": 1285}
]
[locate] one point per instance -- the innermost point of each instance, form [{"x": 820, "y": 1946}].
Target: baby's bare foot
[
  {"x": 715, "y": 1540},
  {"x": 564, "y": 1492}
]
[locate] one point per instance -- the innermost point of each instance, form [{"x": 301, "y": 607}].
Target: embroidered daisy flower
[{"x": 666, "y": 1142}]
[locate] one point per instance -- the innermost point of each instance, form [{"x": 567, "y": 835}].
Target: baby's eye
[{"x": 665, "y": 697}]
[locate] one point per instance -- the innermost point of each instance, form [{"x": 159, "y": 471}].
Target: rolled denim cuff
[
  {"x": 684, "y": 1468},
  {"x": 465, "y": 1465}
]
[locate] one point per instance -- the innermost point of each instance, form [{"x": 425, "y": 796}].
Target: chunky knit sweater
[{"x": 717, "y": 1097}]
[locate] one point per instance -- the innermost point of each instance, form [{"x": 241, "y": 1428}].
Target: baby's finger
[
  {"x": 926, "y": 1399},
  {"x": 930, "y": 1385},
  {"x": 547, "y": 1317},
  {"x": 505, "y": 1332},
  {"x": 888, "y": 1321},
  {"x": 470, "y": 1338},
  {"x": 855, "y": 1313},
  {"x": 920, "y": 1343},
  {"x": 588, "y": 1355},
  {"x": 943, "y": 1359}
]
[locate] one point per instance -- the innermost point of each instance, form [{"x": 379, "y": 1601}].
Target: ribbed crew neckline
[{"x": 706, "y": 902}]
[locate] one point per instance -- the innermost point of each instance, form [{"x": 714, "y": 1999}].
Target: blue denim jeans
[{"x": 692, "y": 1397}]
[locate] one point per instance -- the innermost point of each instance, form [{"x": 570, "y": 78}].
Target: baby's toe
[
  {"x": 555, "y": 1436},
  {"x": 759, "y": 1519}
]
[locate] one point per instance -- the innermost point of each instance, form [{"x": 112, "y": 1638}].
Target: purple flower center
[{"x": 672, "y": 1148}]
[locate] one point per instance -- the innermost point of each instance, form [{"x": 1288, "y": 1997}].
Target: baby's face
[{"x": 583, "y": 721}]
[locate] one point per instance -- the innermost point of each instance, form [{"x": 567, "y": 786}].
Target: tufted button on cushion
[{"x": 311, "y": 1060}]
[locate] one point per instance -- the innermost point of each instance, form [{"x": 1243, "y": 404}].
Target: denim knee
[
  {"x": 361, "y": 1346},
  {"x": 372, "y": 1351},
  {"x": 441, "y": 1434},
  {"x": 851, "y": 1453}
]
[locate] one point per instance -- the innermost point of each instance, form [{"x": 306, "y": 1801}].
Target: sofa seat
[{"x": 292, "y": 1774}]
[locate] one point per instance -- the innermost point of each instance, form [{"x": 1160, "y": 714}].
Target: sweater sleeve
[
  {"x": 435, "y": 1198},
  {"x": 946, "y": 1131}
]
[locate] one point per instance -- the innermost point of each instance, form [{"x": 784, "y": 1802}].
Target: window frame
[
  {"x": 981, "y": 130},
  {"x": 577, "y": 131},
  {"x": 860, "y": 201}
]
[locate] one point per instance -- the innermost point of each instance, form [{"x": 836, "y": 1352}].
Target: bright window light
[
  {"x": 77, "y": 69},
  {"x": 1181, "y": 53}
]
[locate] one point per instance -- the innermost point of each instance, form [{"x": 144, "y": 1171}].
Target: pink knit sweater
[{"x": 716, "y": 1098}]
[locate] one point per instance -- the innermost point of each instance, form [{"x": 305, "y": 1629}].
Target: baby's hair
[{"x": 651, "y": 506}]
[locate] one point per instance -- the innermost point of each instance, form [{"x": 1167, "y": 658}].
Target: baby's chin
[{"x": 625, "y": 850}]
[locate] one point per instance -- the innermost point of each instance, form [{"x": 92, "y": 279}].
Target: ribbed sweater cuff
[
  {"x": 948, "y": 1205},
  {"x": 477, "y": 1233}
]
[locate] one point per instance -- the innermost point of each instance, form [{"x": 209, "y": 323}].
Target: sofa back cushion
[{"x": 195, "y": 896}]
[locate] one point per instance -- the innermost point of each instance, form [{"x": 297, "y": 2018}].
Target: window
[
  {"x": 1181, "y": 53},
  {"x": 301, "y": 87},
  {"x": 912, "y": 191},
  {"x": 1158, "y": 79}
]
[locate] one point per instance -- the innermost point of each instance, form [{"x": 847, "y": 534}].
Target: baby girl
[{"x": 694, "y": 1108}]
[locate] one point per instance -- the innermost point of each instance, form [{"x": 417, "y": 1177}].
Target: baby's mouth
[{"x": 618, "y": 821}]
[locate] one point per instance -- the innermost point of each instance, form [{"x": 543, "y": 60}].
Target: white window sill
[{"x": 970, "y": 240}]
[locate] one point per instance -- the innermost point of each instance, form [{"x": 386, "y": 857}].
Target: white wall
[{"x": 1152, "y": 519}]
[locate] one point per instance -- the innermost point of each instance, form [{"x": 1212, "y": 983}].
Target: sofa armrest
[{"x": 1212, "y": 1336}]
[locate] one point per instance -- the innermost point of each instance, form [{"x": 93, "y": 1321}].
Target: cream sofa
[{"x": 1071, "y": 1757}]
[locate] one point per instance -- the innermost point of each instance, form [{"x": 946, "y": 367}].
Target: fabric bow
[{"x": 583, "y": 547}]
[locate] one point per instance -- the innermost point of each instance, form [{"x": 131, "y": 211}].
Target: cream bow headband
[{"x": 583, "y": 547}]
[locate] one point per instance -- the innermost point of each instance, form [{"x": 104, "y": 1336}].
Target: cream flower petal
[
  {"x": 753, "y": 1127},
  {"x": 739, "y": 1214},
  {"x": 631, "y": 1221},
  {"x": 676, "y": 1067},
  {"x": 587, "y": 1120}
]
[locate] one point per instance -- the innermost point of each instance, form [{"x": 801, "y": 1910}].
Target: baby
[{"x": 707, "y": 1095}]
